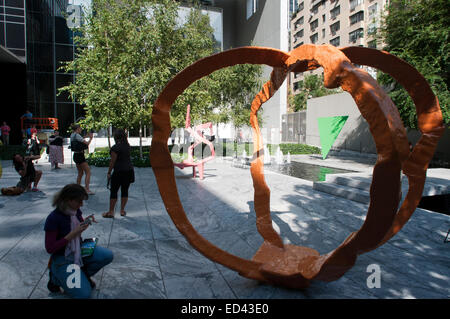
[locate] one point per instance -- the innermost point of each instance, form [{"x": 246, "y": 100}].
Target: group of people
[{"x": 65, "y": 224}]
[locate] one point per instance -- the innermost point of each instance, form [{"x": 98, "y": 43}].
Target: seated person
[
  {"x": 24, "y": 166},
  {"x": 63, "y": 229}
]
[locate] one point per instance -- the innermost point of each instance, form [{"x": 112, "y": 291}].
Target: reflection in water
[{"x": 306, "y": 171}]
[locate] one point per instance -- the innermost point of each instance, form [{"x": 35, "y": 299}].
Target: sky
[{"x": 215, "y": 17}]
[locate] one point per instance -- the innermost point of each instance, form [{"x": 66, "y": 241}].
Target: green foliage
[
  {"x": 128, "y": 54},
  {"x": 311, "y": 86},
  {"x": 230, "y": 148},
  {"x": 294, "y": 149},
  {"x": 100, "y": 157},
  {"x": 7, "y": 151},
  {"x": 418, "y": 32}
]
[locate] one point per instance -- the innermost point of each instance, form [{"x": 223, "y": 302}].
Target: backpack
[{"x": 77, "y": 146}]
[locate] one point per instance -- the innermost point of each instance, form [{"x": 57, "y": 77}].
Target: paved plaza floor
[{"x": 153, "y": 260}]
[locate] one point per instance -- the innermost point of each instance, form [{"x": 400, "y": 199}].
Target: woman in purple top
[{"x": 63, "y": 229}]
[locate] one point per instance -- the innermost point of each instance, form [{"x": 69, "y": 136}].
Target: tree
[
  {"x": 131, "y": 49},
  {"x": 418, "y": 32},
  {"x": 311, "y": 86}
]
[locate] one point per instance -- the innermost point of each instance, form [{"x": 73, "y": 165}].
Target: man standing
[{"x": 5, "y": 133}]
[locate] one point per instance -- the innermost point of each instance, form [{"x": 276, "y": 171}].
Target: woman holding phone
[{"x": 63, "y": 229}]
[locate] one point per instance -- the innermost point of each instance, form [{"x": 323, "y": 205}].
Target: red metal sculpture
[
  {"x": 295, "y": 266},
  {"x": 197, "y": 133}
]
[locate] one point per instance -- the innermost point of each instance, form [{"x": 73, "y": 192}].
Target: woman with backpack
[{"x": 78, "y": 145}]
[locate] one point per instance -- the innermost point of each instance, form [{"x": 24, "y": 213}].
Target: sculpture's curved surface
[{"x": 290, "y": 265}]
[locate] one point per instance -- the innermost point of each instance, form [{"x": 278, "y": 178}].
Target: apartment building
[{"x": 337, "y": 22}]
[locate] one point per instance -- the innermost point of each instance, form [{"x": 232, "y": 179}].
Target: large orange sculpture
[{"x": 290, "y": 265}]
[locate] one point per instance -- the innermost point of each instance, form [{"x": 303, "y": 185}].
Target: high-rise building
[{"x": 337, "y": 22}]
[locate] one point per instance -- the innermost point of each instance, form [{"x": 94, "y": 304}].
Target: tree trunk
[
  {"x": 140, "y": 140},
  {"x": 109, "y": 137}
]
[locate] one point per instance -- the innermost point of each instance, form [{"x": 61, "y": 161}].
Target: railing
[{"x": 40, "y": 123}]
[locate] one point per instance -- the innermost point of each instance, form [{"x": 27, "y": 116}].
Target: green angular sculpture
[{"x": 329, "y": 129}]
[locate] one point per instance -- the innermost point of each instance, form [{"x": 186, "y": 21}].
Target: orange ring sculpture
[{"x": 294, "y": 266}]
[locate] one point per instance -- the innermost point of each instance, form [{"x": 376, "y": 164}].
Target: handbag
[
  {"x": 77, "y": 146},
  {"x": 88, "y": 246}
]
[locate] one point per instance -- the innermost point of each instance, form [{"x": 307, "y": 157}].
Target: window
[
  {"x": 355, "y": 35},
  {"x": 299, "y": 22},
  {"x": 314, "y": 38},
  {"x": 2, "y": 33},
  {"x": 323, "y": 33},
  {"x": 301, "y": 6},
  {"x": 252, "y": 6},
  {"x": 335, "y": 27},
  {"x": 324, "y": 18},
  {"x": 336, "y": 41},
  {"x": 373, "y": 10},
  {"x": 354, "y": 3},
  {"x": 372, "y": 44},
  {"x": 297, "y": 45},
  {"x": 15, "y": 35},
  {"x": 14, "y": 3},
  {"x": 298, "y": 35},
  {"x": 372, "y": 28},
  {"x": 359, "y": 16},
  {"x": 314, "y": 25},
  {"x": 335, "y": 12}
]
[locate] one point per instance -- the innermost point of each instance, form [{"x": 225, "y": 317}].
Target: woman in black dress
[{"x": 123, "y": 174}]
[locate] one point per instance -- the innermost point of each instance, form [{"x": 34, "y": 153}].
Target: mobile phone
[{"x": 88, "y": 220}]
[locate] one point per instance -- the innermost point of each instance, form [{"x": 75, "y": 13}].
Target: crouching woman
[{"x": 63, "y": 229}]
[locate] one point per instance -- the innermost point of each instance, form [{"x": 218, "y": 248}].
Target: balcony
[
  {"x": 356, "y": 42},
  {"x": 357, "y": 25},
  {"x": 357, "y": 7}
]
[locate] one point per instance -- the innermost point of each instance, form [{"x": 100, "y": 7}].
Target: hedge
[
  {"x": 101, "y": 158},
  {"x": 230, "y": 148},
  {"x": 7, "y": 151}
]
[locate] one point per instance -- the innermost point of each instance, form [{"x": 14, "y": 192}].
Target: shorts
[
  {"x": 26, "y": 180},
  {"x": 79, "y": 158}
]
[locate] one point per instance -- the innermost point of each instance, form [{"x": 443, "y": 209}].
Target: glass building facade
[
  {"x": 49, "y": 43},
  {"x": 12, "y": 27},
  {"x": 39, "y": 33}
]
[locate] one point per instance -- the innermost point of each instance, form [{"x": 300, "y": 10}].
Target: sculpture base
[{"x": 289, "y": 266}]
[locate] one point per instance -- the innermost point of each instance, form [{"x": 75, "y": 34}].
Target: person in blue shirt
[{"x": 27, "y": 119}]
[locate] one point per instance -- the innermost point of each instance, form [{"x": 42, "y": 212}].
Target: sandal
[
  {"x": 123, "y": 213},
  {"x": 108, "y": 215}
]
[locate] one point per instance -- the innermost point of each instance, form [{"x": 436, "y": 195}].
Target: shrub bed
[
  {"x": 7, "y": 151},
  {"x": 230, "y": 148},
  {"x": 101, "y": 157}
]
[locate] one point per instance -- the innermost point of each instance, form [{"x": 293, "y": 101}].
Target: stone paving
[{"x": 153, "y": 260}]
